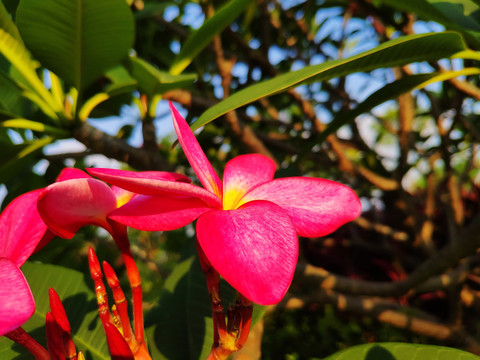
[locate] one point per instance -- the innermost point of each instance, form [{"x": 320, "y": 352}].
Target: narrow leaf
[
  {"x": 35, "y": 126},
  {"x": 404, "y": 50},
  {"x": 204, "y": 35}
]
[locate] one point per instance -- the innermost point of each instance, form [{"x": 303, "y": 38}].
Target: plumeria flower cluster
[
  {"x": 247, "y": 225},
  {"x": 247, "y": 228}
]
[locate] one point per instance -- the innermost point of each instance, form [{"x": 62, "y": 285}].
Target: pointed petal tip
[
  {"x": 195, "y": 155},
  {"x": 58, "y": 311}
]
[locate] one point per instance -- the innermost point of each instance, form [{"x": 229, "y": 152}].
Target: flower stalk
[
  {"x": 228, "y": 336},
  {"x": 21, "y": 337}
]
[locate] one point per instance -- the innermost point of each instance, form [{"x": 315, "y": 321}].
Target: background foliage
[{"x": 380, "y": 95}]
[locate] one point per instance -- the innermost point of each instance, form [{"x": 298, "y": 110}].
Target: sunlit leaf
[
  {"x": 7, "y": 24},
  {"x": 35, "y": 126},
  {"x": 19, "y": 57},
  {"x": 396, "y": 52}
]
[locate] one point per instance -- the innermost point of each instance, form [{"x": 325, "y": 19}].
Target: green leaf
[
  {"x": 204, "y": 35},
  {"x": 19, "y": 57},
  {"x": 11, "y": 98},
  {"x": 389, "y": 92},
  {"x": 180, "y": 327},
  {"x": 7, "y": 24},
  {"x": 75, "y": 291},
  {"x": 35, "y": 126},
  {"x": 152, "y": 81},
  {"x": 404, "y": 50},
  {"x": 401, "y": 351},
  {"x": 121, "y": 81},
  {"x": 464, "y": 13},
  {"x": 15, "y": 157},
  {"x": 454, "y": 15},
  {"x": 79, "y": 40}
]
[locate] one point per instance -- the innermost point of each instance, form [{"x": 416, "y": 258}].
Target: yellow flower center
[{"x": 231, "y": 198}]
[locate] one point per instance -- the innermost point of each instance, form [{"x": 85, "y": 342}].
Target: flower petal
[
  {"x": 16, "y": 300},
  {"x": 68, "y": 205},
  {"x": 254, "y": 248},
  {"x": 150, "y": 184},
  {"x": 316, "y": 206},
  {"x": 242, "y": 173},
  {"x": 150, "y": 213},
  {"x": 195, "y": 155},
  {"x": 21, "y": 228},
  {"x": 72, "y": 173}
]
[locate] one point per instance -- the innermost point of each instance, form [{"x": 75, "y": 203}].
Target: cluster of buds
[{"x": 123, "y": 343}]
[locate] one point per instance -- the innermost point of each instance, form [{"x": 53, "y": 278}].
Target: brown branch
[
  {"x": 446, "y": 258},
  {"x": 390, "y": 313},
  {"x": 118, "y": 149},
  {"x": 244, "y": 132}
]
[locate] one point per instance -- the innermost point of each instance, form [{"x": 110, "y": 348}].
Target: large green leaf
[
  {"x": 404, "y": 50},
  {"x": 180, "y": 327},
  {"x": 401, "y": 351},
  {"x": 152, "y": 81},
  {"x": 79, "y": 300},
  {"x": 204, "y": 35},
  {"x": 79, "y": 40}
]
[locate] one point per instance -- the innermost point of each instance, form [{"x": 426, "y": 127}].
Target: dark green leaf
[
  {"x": 180, "y": 327},
  {"x": 79, "y": 40}
]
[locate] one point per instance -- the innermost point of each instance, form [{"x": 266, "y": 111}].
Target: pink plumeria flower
[
  {"x": 248, "y": 224},
  {"x": 82, "y": 200},
  {"x": 21, "y": 229},
  {"x": 22, "y": 232}
]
